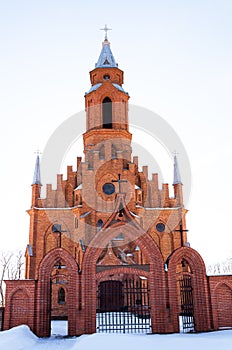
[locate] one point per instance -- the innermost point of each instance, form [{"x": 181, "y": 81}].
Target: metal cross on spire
[
  {"x": 175, "y": 153},
  {"x": 106, "y": 29},
  {"x": 37, "y": 152}
]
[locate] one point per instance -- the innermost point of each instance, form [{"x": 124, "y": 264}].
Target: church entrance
[
  {"x": 123, "y": 305},
  {"x": 110, "y": 296}
]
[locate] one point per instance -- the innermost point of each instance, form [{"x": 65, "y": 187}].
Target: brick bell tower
[
  {"x": 108, "y": 240},
  {"x": 107, "y": 141}
]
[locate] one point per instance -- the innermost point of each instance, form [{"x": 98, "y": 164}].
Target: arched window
[
  {"x": 107, "y": 113},
  {"x": 61, "y": 296},
  {"x": 102, "y": 152},
  {"x": 113, "y": 152},
  {"x": 99, "y": 225}
]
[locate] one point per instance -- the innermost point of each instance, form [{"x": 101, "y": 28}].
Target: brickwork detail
[{"x": 221, "y": 294}]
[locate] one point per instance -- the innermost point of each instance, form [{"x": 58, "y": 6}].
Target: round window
[
  {"x": 160, "y": 227},
  {"x": 108, "y": 188},
  {"x": 106, "y": 77}
]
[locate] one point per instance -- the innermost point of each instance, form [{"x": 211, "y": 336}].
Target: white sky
[{"x": 177, "y": 60}]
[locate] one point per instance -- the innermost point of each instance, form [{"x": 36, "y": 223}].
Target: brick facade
[{"x": 111, "y": 226}]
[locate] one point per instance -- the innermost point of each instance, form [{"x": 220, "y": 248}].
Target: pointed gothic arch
[
  {"x": 61, "y": 296},
  {"x": 44, "y": 291},
  {"x": 52, "y": 239},
  {"x": 199, "y": 285},
  {"x": 223, "y": 310},
  {"x": 99, "y": 224},
  {"x": 156, "y": 273},
  {"x": 107, "y": 122},
  {"x": 20, "y": 302}
]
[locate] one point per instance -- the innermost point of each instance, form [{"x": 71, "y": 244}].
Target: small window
[
  {"x": 160, "y": 227},
  {"x": 99, "y": 225},
  {"x": 119, "y": 237},
  {"x": 108, "y": 188},
  {"x": 113, "y": 152},
  {"x": 61, "y": 296},
  {"x": 107, "y": 113},
  {"x": 102, "y": 152}
]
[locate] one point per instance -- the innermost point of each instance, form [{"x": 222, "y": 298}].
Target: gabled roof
[
  {"x": 93, "y": 88},
  {"x": 106, "y": 58},
  {"x": 121, "y": 210},
  {"x": 120, "y": 88},
  {"x": 98, "y": 85}
]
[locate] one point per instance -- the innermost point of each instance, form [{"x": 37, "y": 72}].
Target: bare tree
[
  {"x": 5, "y": 259},
  {"x": 14, "y": 270},
  {"x": 11, "y": 267},
  {"x": 20, "y": 263},
  {"x": 220, "y": 268}
]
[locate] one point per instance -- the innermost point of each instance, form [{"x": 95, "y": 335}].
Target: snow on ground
[{"x": 21, "y": 338}]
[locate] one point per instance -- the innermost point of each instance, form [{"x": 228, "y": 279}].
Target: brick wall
[
  {"x": 221, "y": 299},
  {"x": 20, "y": 304}
]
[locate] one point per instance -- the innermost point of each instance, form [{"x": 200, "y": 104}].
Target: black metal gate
[
  {"x": 123, "y": 306},
  {"x": 186, "y": 304},
  {"x": 1, "y": 318}
]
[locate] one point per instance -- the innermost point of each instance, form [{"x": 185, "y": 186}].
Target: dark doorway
[
  {"x": 107, "y": 113},
  {"x": 110, "y": 296},
  {"x": 123, "y": 306}
]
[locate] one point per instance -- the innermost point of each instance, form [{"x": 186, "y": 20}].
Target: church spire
[
  {"x": 177, "y": 178},
  {"x": 37, "y": 178},
  {"x": 106, "y": 58}
]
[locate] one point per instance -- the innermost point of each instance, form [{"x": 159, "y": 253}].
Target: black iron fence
[
  {"x": 186, "y": 303},
  {"x": 1, "y": 318},
  {"x": 123, "y": 306}
]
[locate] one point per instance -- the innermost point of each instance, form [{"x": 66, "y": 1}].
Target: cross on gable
[
  {"x": 119, "y": 181},
  {"x": 181, "y": 233},
  {"x": 181, "y": 229}
]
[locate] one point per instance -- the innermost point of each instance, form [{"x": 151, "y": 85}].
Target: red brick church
[{"x": 93, "y": 256}]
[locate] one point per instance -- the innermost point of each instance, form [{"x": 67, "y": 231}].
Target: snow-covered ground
[{"x": 21, "y": 338}]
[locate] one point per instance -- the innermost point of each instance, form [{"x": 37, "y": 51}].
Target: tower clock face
[
  {"x": 108, "y": 188},
  {"x": 160, "y": 227}
]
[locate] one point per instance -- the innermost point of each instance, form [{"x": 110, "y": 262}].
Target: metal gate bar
[
  {"x": 123, "y": 306},
  {"x": 187, "y": 306}
]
